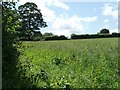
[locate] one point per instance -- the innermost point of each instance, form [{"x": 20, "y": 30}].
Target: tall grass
[{"x": 86, "y": 63}]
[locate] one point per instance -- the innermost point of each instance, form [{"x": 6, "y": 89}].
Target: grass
[{"x": 86, "y": 63}]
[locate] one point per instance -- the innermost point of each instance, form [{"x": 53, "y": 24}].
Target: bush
[
  {"x": 62, "y": 37},
  {"x": 10, "y": 44}
]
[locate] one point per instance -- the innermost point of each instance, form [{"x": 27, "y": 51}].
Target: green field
[{"x": 85, "y": 63}]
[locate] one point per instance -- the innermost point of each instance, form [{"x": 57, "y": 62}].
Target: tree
[
  {"x": 36, "y": 36},
  {"x": 10, "y": 43},
  {"x": 73, "y": 35},
  {"x": 10, "y": 24},
  {"x": 31, "y": 18},
  {"x": 104, "y": 31},
  {"x": 48, "y": 34},
  {"x": 37, "y": 33}
]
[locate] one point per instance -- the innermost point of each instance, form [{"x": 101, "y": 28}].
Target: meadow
[{"x": 84, "y": 63}]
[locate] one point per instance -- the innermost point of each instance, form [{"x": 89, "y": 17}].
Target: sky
[{"x": 65, "y": 17}]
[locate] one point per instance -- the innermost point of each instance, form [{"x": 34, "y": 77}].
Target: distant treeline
[
  {"x": 38, "y": 36},
  {"x": 62, "y": 37},
  {"x": 87, "y": 36},
  {"x": 50, "y": 36}
]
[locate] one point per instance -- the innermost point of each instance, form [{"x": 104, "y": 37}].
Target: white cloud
[
  {"x": 48, "y": 14},
  {"x": 89, "y": 19},
  {"x": 109, "y": 10},
  {"x": 106, "y": 20},
  {"x": 57, "y": 3},
  {"x": 68, "y": 25},
  {"x": 114, "y": 30}
]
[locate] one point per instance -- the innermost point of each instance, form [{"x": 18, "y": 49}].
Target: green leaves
[
  {"x": 10, "y": 44},
  {"x": 78, "y": 63},
  {"x": 30, "y": 17}
]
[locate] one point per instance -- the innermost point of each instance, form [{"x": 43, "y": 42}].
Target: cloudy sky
[{"x": 65, "y": 17}]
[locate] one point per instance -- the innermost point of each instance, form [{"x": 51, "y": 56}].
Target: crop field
[{"x": 85, "y": 63}]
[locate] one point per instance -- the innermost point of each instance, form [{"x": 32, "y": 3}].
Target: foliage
[
  {"x": 115, "y": 34},
  {"x": 37, "y": 33},
  {"x": 10, "y": 43},
  {"x": 37, "y": 36},
  {"x": 87, "y": 36},
  {"x": 12, "y": 71},
  {"x": 86, "y": 63},
  {"x": 48, "y": 34},
  {"x": 31, "y": 18},
  {"x": 104, "y": 31},
  {"x": 62, "y": 37},
  {"x": 72, "y": 35}
]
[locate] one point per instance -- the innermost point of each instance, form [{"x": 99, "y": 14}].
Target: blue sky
[{"x": 66, "y": 17}]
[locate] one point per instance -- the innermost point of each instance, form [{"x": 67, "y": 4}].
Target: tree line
[
  {"x": 38, "y": 36},
  {"x": 104, "y": 33}
]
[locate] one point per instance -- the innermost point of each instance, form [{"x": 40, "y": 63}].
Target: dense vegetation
[
  {"x": 62, "y": 37},
  {"x": 71, "y": 64},
  {"x": 38, "y": 36},
  {"x": 86, "y": 63},
  {"x": 10, "y": 44}
]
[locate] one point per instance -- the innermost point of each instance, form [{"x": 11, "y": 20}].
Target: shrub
[{"x": 62, "y": 37}]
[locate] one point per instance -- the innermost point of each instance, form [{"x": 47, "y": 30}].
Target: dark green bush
[
  {"x": 62, "y": 37},
  {"x": 10, "y": 44},
  {"x": 87, "y": 36}
]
